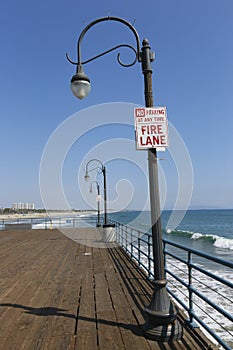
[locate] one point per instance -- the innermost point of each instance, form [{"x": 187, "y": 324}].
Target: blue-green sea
[{"x": 210, "y": 231}]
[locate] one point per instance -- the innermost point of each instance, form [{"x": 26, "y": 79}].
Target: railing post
[
  {"x": 191, "y": 321},
  {"x": 164, "y": 255},
  {"x": 139, "y": 249},
  {"x": 117, "y": 231},
  {"x": 120, "y": 234},
  {"x": 149, "y": 256},
  {"x": 131, "y": 242}
]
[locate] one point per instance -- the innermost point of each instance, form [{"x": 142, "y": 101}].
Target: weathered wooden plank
[
  {"x": 48, "y": 297},
  {"x": 86, "y": 334},
  {"x": 131, "y": 333},
  {"x": 131, "y": 283},
  {"x": 34, "y": 305},
  {"x": 16, "y": 300},
  {"x": 109, "y": 334},
  {"x": 63, "y": 332},
  {"x": 15, "y": 272}
]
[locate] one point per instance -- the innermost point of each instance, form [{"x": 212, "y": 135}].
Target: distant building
[{"x": 23, "y": 206}]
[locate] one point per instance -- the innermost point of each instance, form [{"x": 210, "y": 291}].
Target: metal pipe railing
[
  {"x": 51, "y": 222},
  {"x": 181, "y": 276}
]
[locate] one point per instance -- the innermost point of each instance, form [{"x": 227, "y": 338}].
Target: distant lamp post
[
  {"x": 100, "y": 169},
  {"x": 162, "y": 323},
  {"x": 98, "y": 201}
]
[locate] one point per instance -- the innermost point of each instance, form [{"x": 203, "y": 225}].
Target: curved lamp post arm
[
  {"x": 102, "y": 19},
  {"x": 108, "y": 18},
  {"x": 86, "y": 171},
  {"x": 96, "y": 160},
  {"x": 80, "y": 82}
]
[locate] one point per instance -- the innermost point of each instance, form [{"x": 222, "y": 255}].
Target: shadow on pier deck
[{"x": 56, "y": 293}]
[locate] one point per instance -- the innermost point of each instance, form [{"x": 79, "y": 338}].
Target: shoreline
[{"x": 47, "y": 214}]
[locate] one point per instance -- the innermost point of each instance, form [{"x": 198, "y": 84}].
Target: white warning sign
[{"x": 151, "y": 127}]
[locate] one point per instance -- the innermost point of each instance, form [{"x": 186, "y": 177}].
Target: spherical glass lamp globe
[
  {"x": 86, "y": 177},
  {"x": 80, "y": 85}
]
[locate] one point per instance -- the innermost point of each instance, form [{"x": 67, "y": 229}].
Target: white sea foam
[
  {"x": 221, "y": 242},
  {"x": 54, "y": 223},
  {"x": 197, "y": 235},
  {"x": 213, "y": 290},
  {"x": 217, "y": 241}
]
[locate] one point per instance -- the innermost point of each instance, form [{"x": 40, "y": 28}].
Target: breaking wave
[{"x": 215, "y": 240}]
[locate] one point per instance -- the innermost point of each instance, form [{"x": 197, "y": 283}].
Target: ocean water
[{"x": 210, "y": 231}]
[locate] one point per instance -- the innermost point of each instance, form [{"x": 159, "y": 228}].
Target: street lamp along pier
[
  {"x": 108, "y": 228},
  {"x": 100, "y": 169},
  {"x": 161, "y": 315}
]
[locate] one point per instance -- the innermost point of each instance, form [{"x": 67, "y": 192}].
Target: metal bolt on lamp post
[
  {"x": 161, "y": 323},
  {"x": 101, "y": 169},
  {"x": 98, "y": 201}
]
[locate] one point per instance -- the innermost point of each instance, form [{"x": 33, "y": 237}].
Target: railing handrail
[{"x": 183, "y": 247}]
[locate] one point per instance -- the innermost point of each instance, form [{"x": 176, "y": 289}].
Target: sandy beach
[{"x": 44, "y": 215}]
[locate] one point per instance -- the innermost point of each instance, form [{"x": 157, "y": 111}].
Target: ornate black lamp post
[
  {"x": 98, "y": 201},
  {"x": 162, "y": 323},
  {"x": 102, "y": 170}
]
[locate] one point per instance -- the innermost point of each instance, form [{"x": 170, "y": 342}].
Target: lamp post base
[
  {"x": 161, "y": 316},
  {"x": 109, "y": 233},
  {"x": 163, "y": 333}
]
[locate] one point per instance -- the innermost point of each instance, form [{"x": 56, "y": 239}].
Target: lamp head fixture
[
  {"x": 86, "y": 177},
  {"x": 80, "y": 83}
]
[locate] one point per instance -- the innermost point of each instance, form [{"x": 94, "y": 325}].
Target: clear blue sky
[{"x": 193, "y": 77}]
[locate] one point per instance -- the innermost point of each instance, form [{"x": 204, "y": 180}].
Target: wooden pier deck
[{"x": 63, "y": 294}]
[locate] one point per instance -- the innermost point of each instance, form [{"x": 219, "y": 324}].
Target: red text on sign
[
  {"x": 153, "y": 141},
  {"x": 151, "y": 129}
]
